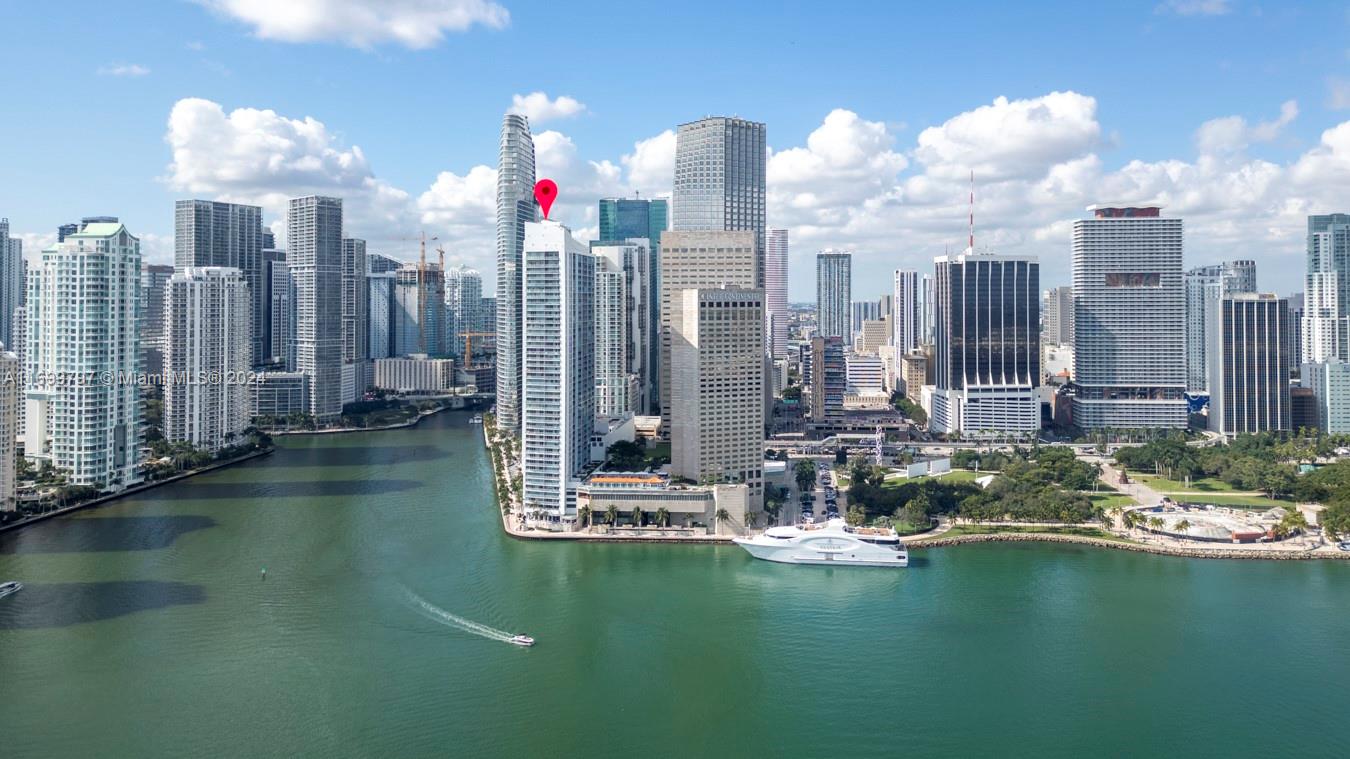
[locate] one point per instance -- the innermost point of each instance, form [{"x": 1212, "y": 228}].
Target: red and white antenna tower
[{"x": 972, "y": 210}]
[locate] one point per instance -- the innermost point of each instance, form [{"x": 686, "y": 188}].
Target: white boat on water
[
  {"x": 476, "y": 419},
  {"x": 522, "y": 640},
  {"x": 830, "y": 542},
  {"x": 12, "y": 586}
]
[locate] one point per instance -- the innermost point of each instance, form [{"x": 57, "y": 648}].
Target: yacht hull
[{"x": 793, "y": 554}]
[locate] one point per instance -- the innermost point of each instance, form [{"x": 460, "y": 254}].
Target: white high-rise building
[
  {"x": 1129, "y": 320},
  {"x": 907, "y": 316},
  {"x": 988, "y": 349},
  {"x": 776, "y": 291},
  {"x": 463, "y": 309},
  {"x": 1330, "y": 383},
  {"x": 9, "y": 426},
  {"x": 558, "y": 392},
  {"x": 834, "y": 294},
  {"x": 314, "y": 256},
  {"x": 926, "y": 316},
  {"x": 1205, "y": 286},
  {"x": 693, "y": 261},
  {"x": 90, "y": 429},
  {"x": 208, "y": 351},
  {"x": 622, "y": 327},
  {"x": 515, "y": 208},
  {"x": 13, "y": 282},
  {"x": 1326, "y": 306},
  {"x": 1057, "y": 316},
  {"x": 720, "y": 179},
  {"x": 717, "y": 391},
  {"x": 212, "y": 233}
]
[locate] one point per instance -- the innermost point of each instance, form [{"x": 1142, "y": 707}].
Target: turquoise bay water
[{"x": 146, "y": 629}]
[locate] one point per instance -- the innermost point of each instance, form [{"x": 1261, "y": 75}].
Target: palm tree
[
  {"x": 584, "y": 516},
  {"x": 1184, "y": 526},
  {"x": 1155, "y": 523},
  {"x": 613, "y": 515},
  {"x": 721, "y": 516},
  {"x": 750, "y": 518},
  {"x": 663, "y": 517},
  {"x": 636, "y": 516}
]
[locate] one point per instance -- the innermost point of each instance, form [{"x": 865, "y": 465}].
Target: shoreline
[
  {"x": 1179, "y": 551},
  {"x": 345, "y": 430},
  {"x": 134, "y": 490}
]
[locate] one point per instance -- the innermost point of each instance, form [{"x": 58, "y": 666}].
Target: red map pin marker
[{"x": 545, "y": 192}]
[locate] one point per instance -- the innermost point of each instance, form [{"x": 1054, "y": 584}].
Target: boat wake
[{"x": 437, "y": 614}]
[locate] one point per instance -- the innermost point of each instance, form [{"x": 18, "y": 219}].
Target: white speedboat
[
  {"x": 476, "y": 419},
  {"x": 12, "y": 586},
  {"x": 830, "y": 542},
  {"x": 522, "y": 640}
]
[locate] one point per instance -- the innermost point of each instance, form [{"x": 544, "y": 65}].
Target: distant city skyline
[{"x": 1242, "y": 144}]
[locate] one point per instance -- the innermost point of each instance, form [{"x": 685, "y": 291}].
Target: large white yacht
[{"x": 833, "y": 542}]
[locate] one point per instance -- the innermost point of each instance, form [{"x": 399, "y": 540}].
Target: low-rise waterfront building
[
  {"x": 415, "y": 374},
  {"x": 280, "y": 394}
]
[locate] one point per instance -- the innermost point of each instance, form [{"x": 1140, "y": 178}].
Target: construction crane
[
  {"x": 468, "y": 343},
  {"x": 422, "y": 290}
]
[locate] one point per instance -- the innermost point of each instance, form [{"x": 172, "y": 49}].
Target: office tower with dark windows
[
  {"x": 695, "y": 261},
  {"x": 558, "y": 410},
  {"x": 719, "y": 179},
  {"x": 154, "y": 287},
  {"x": 314, "y": 256},
  {"x": 208, "y": 353},
  {"x": 1326, "y": 306},
  {"x": 834, "y": 294},
  {"x": 1249, "y": 364},
  {"x": 1204, "y": 286},
  {"x": 1129, "y": 320},
  {"x": 353, "y": 301},
  {"x": 776, "y": 292},
  {"x": 515, "y": 208},
  {"x": 988, "y": 345},
  {"x": 278, "y": 325},
  {"x": 211, "y": 233},
  {"x": 13, "y": 276},
  {"x": 829, "y": 379}
]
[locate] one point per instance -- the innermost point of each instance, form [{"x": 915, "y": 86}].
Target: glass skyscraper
[
  {"x": 515, "y": 208},
  {"x": 719, "y": 179}
]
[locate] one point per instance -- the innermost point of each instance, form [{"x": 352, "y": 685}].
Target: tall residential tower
[{"x": 515, "y": 208}]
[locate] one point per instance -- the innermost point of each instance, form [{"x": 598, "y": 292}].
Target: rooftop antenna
[{"x": 972, "y": 210}]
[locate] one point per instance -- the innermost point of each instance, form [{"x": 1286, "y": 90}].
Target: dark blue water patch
[
  {"x": 45, "y": 605},
  {"x": 243, "y": 491},
  {"x": 376, "y": 455},
  {"x": 102, "y": 534}
]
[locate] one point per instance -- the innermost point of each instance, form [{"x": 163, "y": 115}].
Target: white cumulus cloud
[
  {"x": 1196, "y": 7},
  {"x": 1232, "y": 134},
  {"x": 361, "y": 23},
  {"x": 258, "y": 156},
  {"x": 1011, "y": 139},
  {"x": 124, "y": 69},
  {"x": 538, "y": 108}
]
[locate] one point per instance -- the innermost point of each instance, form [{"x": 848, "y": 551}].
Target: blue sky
[{"x": 403, "y": 119}]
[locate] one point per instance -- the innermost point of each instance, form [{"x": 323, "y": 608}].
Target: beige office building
[{"x": 717, "y": 391}]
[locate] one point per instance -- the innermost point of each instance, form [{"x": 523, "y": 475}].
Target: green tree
[
  {"x": 1335, "y": 519},
  {"x": 612, "y": 513},
  {"x": 855, "y": 516},
  {"x": 721, "y": 516},
  {"x": 625, "y": 456},
  {"x": 663, "y": 517},
  {"x": 636, "y": 516},
  {"x": 584, "y": 516},
  {"x": 805, "y": 474}
]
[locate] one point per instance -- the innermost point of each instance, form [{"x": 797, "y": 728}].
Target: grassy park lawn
[
  {"x": 1201, "y": 485},
  {"x": 1109, "y": 500}
]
